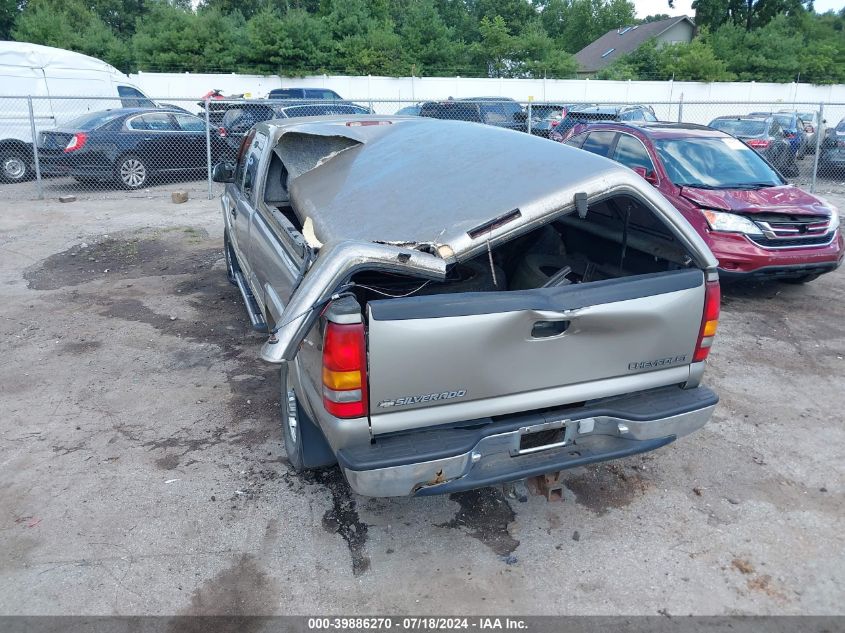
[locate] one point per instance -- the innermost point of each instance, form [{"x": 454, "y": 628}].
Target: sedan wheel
[
  {"x": 132, "y": 173},
  {"x": 14, "y": 166}
]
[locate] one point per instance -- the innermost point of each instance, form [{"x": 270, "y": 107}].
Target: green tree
[
  {"x": 745, "y": 13},
  {"x": 293, "y": 44},
  {"x": 71, "y": 25},
  {"x": 171, "y": 38},
  {"x": 9, "y": 11},
  {"x": 516, "y": 13},
  {"x": 575, "y": 23},
  {"x": 427, "y": 41},
  {"x": 537, "y": 55},
  {"x": 496, "y": 48},
  {"x": 695, "y": 61}
]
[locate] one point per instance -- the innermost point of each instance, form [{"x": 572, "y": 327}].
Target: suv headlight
[{"x": 730, "y": 223}]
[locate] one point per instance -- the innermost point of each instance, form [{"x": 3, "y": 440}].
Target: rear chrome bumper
[{"x": 497, "y": 458}]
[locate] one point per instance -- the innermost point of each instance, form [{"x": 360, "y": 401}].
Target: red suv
[{"x": 756, "y": 223}]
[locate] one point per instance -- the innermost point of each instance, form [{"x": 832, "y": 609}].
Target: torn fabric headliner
[{"x": 419, "y": 181}]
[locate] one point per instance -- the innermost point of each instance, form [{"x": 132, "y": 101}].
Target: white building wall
[{"x": 681, "y": 32}]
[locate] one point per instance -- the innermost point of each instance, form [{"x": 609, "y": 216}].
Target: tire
[
  {"x": 14, "y": 165},
  {"x": 131, "y": 172},
  {"x": 305, "y": 444},
  {"x": 231, "y": 259}
]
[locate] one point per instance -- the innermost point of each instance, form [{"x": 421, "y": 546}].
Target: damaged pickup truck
[{"x": 454, "y": 305}]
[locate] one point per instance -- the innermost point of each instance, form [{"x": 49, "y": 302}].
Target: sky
[{"x": 682, "y": 7}]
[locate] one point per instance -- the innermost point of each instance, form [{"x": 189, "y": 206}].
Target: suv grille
[{"x": 784, "y": 231}]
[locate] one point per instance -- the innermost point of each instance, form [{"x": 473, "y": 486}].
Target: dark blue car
[
  {"x": 793, "y": 129},
  {"x": 128, "y": 146}
]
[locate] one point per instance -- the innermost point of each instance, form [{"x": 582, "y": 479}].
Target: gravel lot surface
[{"x": 143, "y": 468}]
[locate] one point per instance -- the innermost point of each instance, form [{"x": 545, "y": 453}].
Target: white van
[{"x": 45, "y": 73}]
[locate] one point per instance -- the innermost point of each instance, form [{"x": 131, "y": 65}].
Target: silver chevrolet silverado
[{"x": 454, "y": 305}]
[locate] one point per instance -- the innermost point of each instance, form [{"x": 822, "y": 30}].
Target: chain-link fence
[{"x": 111, "y": 147}]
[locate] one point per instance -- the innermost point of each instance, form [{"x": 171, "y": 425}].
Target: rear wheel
[
  {"x": 14, "y": 165},
  {"x": 131, "y": 172}
]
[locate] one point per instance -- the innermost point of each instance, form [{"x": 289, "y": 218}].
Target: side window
[
  {"x": 253, "y": 157},
  {"x": 154, "y": 121},
  {"x": 494, "y": 113},
  {"x": 133, "y": 98},
  {"x": 188, "y": 123},
  {"x": 316, "y": 93},
  {"x": 577, "y": 140},
  {"x": 599, "y": 142},
  {"x": 245, "y": 143},
  {"x": 631, "y": 153}
]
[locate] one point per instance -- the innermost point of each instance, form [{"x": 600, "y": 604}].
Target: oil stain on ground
[
  {"x": 485, "y": 515},
  {"x": 243, "y": 589},
  {"x": 606, "y": 486},
  {"x": 143, "y": 253},
  {"x": 342, "y": 518}
]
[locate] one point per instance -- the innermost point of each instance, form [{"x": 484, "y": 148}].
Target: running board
[{"x": 255, "y": 317}]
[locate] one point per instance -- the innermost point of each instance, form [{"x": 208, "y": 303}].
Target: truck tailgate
[{"x": 455, "y": 357}]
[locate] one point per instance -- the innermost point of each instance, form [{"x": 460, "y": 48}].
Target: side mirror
[
  {"x": 223, "y": 172},
  {"x": 648, "y": 176}
]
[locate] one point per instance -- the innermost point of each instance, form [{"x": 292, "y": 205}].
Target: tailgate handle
[{"x": 548, "y": 329}]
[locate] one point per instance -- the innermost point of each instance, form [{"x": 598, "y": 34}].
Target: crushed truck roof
[{"x": 417, "y": 181}]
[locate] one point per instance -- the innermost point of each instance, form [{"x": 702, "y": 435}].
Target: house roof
[{"x": 618, "y": 42}]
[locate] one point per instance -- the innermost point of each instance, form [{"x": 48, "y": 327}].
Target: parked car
[
  {"x": 832, "y": 152},
  {"x": 579, "y": 117},
  {"x": 48, "y": 74},
  {"x": 793, "y": 130},
  {"x": 497, "y": 111},
  {"x": 411, "y": 110},
  {"x": 128, "y": 146},
  {"x": 316, "y": 94},
  {"x": 765, "y": 136},
  {"x": 811, "y": 126},
  {"x": 240, "y": 117},
  {"x": 547, "y": 116},
  {"x": 756, "y": 224},
  {"x": 437, "y": 341}
]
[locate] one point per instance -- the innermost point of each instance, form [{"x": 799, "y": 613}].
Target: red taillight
[
  {"x": 709, "y": 321},
  {"x": 789, "y": 135},
  {"x": 345, "y": 370},
  {"x": 222, "y": 132},
  {"x": 77, "y": 141},
  {"x": 554, "y": 123},
  {"x": 758, "y": 143}
]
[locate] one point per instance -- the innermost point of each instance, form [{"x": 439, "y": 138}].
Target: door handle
[{"x": 234, "y": 211}]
